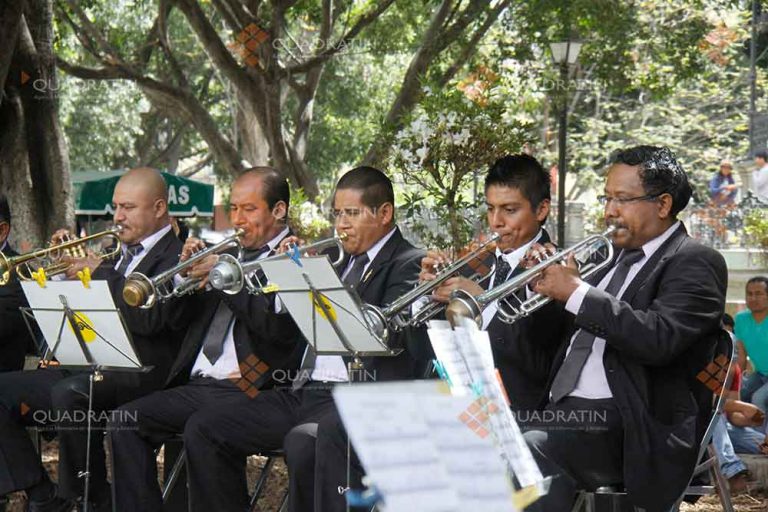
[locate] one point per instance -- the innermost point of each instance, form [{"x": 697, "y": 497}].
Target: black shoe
[{"x": 54, "y": 504}]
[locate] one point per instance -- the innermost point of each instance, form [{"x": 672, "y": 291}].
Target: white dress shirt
[
  {"x": 227, "y": 366},
  {"x": 760, "y": 178},
  {"x": 146, "y": 245},
  {"x": 513, "y": 258},
  {"x": 592, "y": 382},
  {"x": 332, "y": 368}
]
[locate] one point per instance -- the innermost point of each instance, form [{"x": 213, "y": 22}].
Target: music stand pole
[{"x": 95, "y": 376}]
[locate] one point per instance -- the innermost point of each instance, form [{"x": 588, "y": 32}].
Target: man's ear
[
  {"x": 543, "y": 210},
  {"x": 5, "y": 230},
  {"x": 386, "y": 213},
  {"x": 665, "y": 205},
  {"x": 161, "y": 208},
  {"x": 280, "y": 211}
]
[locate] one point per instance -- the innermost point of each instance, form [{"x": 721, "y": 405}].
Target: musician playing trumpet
[
  {"x": 628, "y": 410},
  {"x": 517, "y": 192},
  {"x": 56, "y": 398},
  {"x": 231, "y": 348}
]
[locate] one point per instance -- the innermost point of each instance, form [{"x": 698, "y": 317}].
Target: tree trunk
[{"x": 34, "y": 163}]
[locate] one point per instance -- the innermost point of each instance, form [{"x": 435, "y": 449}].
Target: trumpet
[
  {"x": 464, "y": 305},
  {"x": 48, "y": 259},
  {"x": 391, "y": 318},
  {"x": 144, "y": 292},
  {"x": 230, "y": 274}
]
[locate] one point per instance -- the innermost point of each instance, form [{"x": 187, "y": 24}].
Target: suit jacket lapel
[
  {"x": 385, "y": 255},
  {"x": 667, "y": 249},
  {"x": 156, "y": 253}
]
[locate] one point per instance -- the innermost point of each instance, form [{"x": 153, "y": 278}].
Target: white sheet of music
[
  {"x": 291, "y": 280},
  {"x": 468, "y": 349},
  {"x": 99, "y": 322},
  {"x": 419, "y": 452}
]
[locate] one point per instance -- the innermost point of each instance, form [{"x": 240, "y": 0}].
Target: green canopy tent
[{"x": 93, "y": 194}]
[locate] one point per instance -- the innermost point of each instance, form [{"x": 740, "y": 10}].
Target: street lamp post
[{"x": 564, "y": 54}]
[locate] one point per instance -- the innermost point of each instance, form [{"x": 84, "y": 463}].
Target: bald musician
[{"x": 56, "y": 400}]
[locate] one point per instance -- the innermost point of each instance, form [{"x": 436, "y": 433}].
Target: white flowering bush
[
  {"x": 306, "y": 218},
  {"x": 439, "y": 159}
]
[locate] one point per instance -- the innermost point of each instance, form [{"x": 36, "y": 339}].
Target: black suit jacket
[
  {"x": 155, "y": 333},
  {"x": 524, "y": 356},
  {"x": 659, "y": 336},
  {"x": 393, "y": 272},
  {"x": 15, "y": 340},
  {"x": 273, "y": 339}
]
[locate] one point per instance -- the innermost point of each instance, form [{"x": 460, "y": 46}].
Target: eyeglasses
[
  {"x": 350, "y": 213},
  {"x": 619, "y": 201}
]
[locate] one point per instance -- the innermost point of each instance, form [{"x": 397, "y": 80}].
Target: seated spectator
[
  {"x": 752, "y": 341},
  {"x": 722, "y": 187},
  {"x": 731, "y": 466}
]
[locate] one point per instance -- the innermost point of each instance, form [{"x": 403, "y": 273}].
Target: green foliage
[
  {"x": 440, "y": 156},
  {"x": 306, "y": 218},
  {"x": 756, "y": 228}
]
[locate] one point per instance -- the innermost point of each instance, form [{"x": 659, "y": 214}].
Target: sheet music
[
  {"x": 417, "y": 450},
  {"x": 469, "y": 364},
  {"x": 293, "y": 290},
  {"x": 97, "y": 314}
]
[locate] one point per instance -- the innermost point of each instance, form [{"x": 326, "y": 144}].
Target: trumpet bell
[
  {"x": 463, "y": 305},
  {"x": 138, "y": 291},
  {"x": 227, "y": 275}
]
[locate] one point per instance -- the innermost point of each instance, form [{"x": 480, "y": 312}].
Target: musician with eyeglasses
[
  {"x": 234, "y": 345},
  {"x": 379, "y": 265},
  {"x": 517, "y": 196},
  {"x": 15, "y": 339},
  {"x": 636, "y": 335},
  {"x": 57, "y": 400}
]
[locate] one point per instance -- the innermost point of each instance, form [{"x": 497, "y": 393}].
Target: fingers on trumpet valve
[
  {"x": 431, "y": 265},
  {"x": 288, "y": 243},
  {"x": 537, "y": 253}
]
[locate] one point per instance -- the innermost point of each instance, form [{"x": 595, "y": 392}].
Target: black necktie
[
  {"x": 568, "y": 374},
  {"x": 502, "y": 271},
  {"x": 213, "y": 344},
  {"x": 352, "y": 279},
  {"x": 130, "y": 252}
]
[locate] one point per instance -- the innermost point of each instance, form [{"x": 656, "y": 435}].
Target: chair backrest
[{"x": 721, "y": 372}]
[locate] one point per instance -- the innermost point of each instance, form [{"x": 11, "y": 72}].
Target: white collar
[
  {"x": 149, "y": 242},
  {"x": 376, "y": 248},
  {"x": 652, "y": 246}
]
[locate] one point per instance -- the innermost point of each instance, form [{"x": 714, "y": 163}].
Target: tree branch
[{"x": 334, "y": 48}]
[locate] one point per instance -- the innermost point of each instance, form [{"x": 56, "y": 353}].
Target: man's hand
[
  {"x": 287, "y": 242},
  {"x": 559, "y": 281},
  {"x": 61, "y": 235},
  {"x": 92, "y": 261},
  {"x": 537, "y": 253},
  {"x": 430, "y": 265},
  {"x": 443, "y": 292},
  {"x": 201, "y": 269}
]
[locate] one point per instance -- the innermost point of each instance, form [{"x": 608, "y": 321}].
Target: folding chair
[
  {"x": 722, "y": 375},
  {"x": 180, "y": 464}
]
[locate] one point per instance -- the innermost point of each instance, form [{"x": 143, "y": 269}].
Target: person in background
[
  {"x": 752, "y": 341},
  {"x": 722, "y": 187},
  {"x": 760, "y": 175}
]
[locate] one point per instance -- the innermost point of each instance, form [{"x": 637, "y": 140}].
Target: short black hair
[
  {"x": 762, "y": 153},
  {"x": 660, "y": 173},
  {"x": 522, "y": 172},
  {"x": 728, "y": 320},
  {"x": 758, "y": 279},
  {"x": 374, "y": 184},
  {"x": 5, "y": 210},
  {"x": 276, "y": 186}
]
